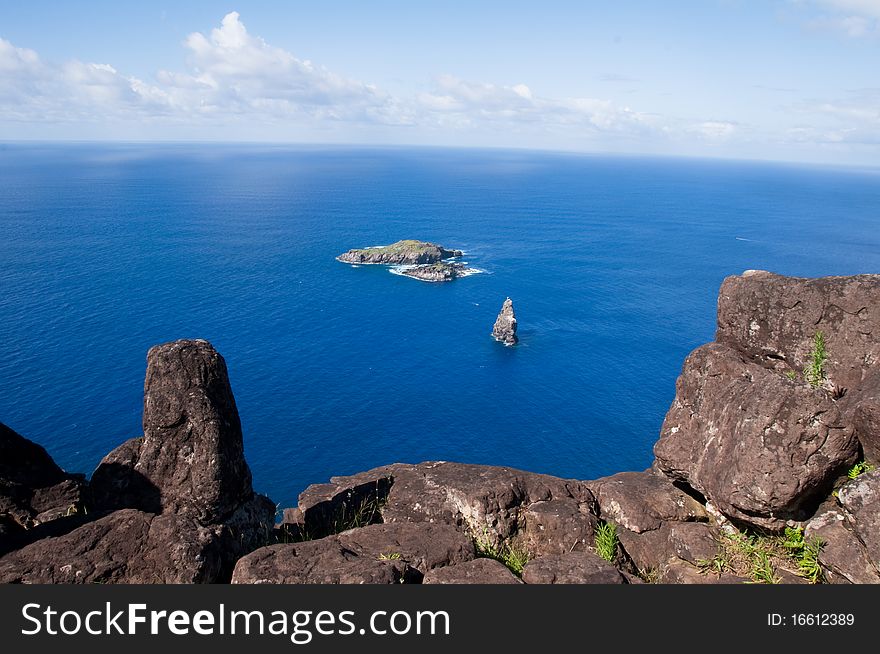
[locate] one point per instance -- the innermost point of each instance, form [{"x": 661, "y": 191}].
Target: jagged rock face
[
  {"x": 492, "y": 504},
  {"x": 643, "y": 501},
  {"x": 183, "y": 510},
  {"x": 761, "y": 447},
  {"x": 843, "y": 555},
  {"x": 865, "y": 409},
  {"x": 746, "y": 428},
  {"x": 376, "y": 554},
  {"x": 127, "y": 546},
  {"x": 774, "y": 319},
  {"x": 557, "y": 526},
  {"x": 406, "y": 252},
  {"x": 26, "y": 463},
  {"x": 33, "y": 489},
  {"x": 504, "y": 329},
  {"x": 860, "y": 499},
  {"x": 191, "y": 456}
]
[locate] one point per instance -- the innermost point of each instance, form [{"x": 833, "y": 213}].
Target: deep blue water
[{"x": 613, "y": 263}]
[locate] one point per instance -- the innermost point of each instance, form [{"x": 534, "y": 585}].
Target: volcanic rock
[
  {"x": 191, "y": 458},
  {"x": 557, "y": 526},
  {"x": 860, "y": 499},
  {"x": 127, "y": 546},
  {"x": 406, "y": 252},
  {"x": 33, "y": 489},
  {"x": 842, "y": 554},
  {"x": 486, "y": 502},
  {"x": 478, "y": 571},
  {"x": 436, "y": 272},
  {"x": 773, "y": 320},
  {"x": 504, "y": 329},
  {"x": 641, "y": 501},
  {"x": 762, "y": 448},
  {"x": 571, "y": 568}
]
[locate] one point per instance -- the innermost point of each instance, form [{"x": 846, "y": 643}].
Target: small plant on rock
[
  {"x": 606, "y": 540},
  {"x": 815, "y": 370},
  {"x": 808, "y": 563},
  {"x": 859, "y": 469},
  {"x": 510, "y": 554},
  {"x": 391, "y": 556}
]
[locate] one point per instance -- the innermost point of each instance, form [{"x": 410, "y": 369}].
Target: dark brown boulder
[
  {"x": 762, "y": 448},
  {"x": 866, "y": 418},
  {"x": 380, "y": 553},
  {"x": 135, "y": 547},
  {"x": 33, "y": 489},
  {"x": 190, "y": 459},
  {"x": 842, "y": 555},
  {"x": 571, "y": 568},
  {"x": 26, "y": 463},
  {"x": 671, "y": 543},
  {"x": 642, "y": 501},
  {"x": 127, "y": 546},
  {"x": 322, "y": 561},
  {"x": 485, "y": 501},
  {"x": 773, "y": 319},
  {"x": 488, "y": 503},
  {"x": 557, "y": 526},
  {"x": 187, "y": 471},
  {"x": 860, "y": 499},
  {"x": 344, "y": 502},
  {"x": 193, "y": 447},
  {"x": 422, "y": 546},
  {"x": 478, "y": 571}
]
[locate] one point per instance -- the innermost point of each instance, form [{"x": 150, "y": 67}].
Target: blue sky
[{"x": 770, "y": 79}]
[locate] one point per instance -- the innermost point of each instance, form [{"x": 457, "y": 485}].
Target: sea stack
[{"x": 505, "y": 325}]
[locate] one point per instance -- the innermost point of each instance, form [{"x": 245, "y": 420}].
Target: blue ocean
[{"x": 613, "y": 264}]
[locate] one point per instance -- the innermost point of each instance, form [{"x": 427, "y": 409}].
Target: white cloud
[
  {"x": 456, "y": 101},
  {"x": 234, "y": 69},
  {"x": 235, "y": 78},
  {"x": 854, "y": 18},
  {"x": 715, "y": 130},
  {"x": 854, "y": 119}
]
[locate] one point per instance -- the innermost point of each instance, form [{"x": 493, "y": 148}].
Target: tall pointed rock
[{"x": 505, "y": 325}]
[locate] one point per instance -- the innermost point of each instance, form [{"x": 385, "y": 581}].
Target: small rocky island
[
  {"x": 427, "y": 262},
  {"x": 504, "y": 330}
]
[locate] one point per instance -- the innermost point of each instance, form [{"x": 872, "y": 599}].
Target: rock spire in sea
[{"x": 505, "y": 325}]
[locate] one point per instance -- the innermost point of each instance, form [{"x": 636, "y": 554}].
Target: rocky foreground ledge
[{"x": 763, "y": 472}]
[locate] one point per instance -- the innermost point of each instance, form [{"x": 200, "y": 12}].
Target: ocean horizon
[{"x": 613, "y": 263}]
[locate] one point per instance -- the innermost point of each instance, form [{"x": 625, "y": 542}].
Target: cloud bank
[
  {"x": 234, "y": 76},
  {"x": 234, "y": 86}
]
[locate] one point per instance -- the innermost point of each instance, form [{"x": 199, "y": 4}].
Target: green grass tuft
[
  {"x": 758, "y": 557},
  {"x": 512, "y": 555},
  {"x": 391, "y": 556},
  {"x": 606, "y": 540},
  {"x": 815, "y": 371}
]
